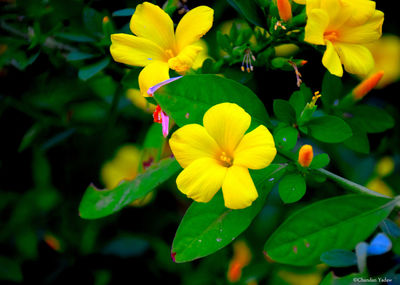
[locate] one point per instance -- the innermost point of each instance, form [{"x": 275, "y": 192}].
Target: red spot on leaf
[{"x": 173, "y": 254}]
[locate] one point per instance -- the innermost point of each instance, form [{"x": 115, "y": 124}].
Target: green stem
[
  {"x": 345, "y": 183},
  {"x": 349, "y": 185}
]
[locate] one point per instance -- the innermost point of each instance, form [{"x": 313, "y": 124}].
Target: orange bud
[
  {"x": 305, "y": 155},
  {"x": 234, "y": 271},
  {"x": 367, "y": 85},
  {"x": 285, "y": 10},
  {"x": 106, "y": 19},
  {"x": 52, "y": 241}
]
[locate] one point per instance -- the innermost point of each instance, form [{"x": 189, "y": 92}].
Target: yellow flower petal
[
  {"x": 226, "y": 123},
  {"x": 185, "y": 59},
  {"x": 361, "y": 12},
  {"x": 192, "y": 142},
  {"x": 332, "y": 61},
  {"x": 256, "y": 150},
  {"x": 238, "y": 188},
  {"x": 356, "y": 59},
  {"x": 151, "y": 75},
  {"x": 366, "y": 33},
  {"x": 137, "y": 99},
  {"x": 201, "y": 179},
  {"x": 193, "y": 26},
  {"x": 134, "y": 51},
  {"x": 151, "y": 22},
  {"x": 301, "y": 2},
  {"x": 317, "y": 23}
]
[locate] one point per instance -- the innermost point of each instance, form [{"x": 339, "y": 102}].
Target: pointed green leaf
[
  {"x": 208, "y": 227},
  {"x": 329, "y": 129},
  {"x": 186, "y": 103},
  {"x": 335, "y": 223},
  {"x": 100, "y": 203},
  {"x": 284, "y": 111}
]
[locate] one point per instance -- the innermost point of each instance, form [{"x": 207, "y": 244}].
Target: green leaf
[
  {"x": 339, "y": 258},
  {"x": 90, "y": 70},
  {"x": 331, "y": 89},
  {"x": 292, "y": 188},
  {"x": 250, "y": 11},
  {"x": 286, "y": 138},
  {"x": 10, "y": 270},
  {"x": 284, "y": 111},
  {"x": 78, "y": 55},
  {"x": 29, "y": 137},
  {"x": 208, "y": 227},
  {"x": 359, "y": 140},
  {"x": 320, "y": 161},
  {"x": 81, "y": 38},
  {"x": 123, "y": 12},
  {"x": 371, "y": 119},
  {"x": 298, "y": 102},
  {"x": 100, "y": 203},
  {"x": 186, "y": 103},
  {"x": 329, "y": 129},
  {"x": 335, "y": 223}
]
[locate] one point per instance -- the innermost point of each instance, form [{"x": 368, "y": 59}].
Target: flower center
[
  {"x": 331, "y": 36},
  {"x": 226, "y": 160},
  {"x": 169, "y": 53}
]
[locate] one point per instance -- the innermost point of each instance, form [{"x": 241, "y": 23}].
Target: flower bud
[
  {"x": 305, "y": 155},
  {"x": 285, "y": 10},
  {"x": 367, "y": 85}
]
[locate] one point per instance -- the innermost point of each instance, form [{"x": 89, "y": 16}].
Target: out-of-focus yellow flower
[
  {"x": 385, "y": 166},
  {"x": 344, "y": 27},
  {"x": 156, "y": 46},
  {"x": 241, "y": 258},
  {"x": 378, "y": 185},
  {"x": 284, "y": 9},
  {"x": 367, "y": 85},
  {"x": 306, "y": 155},
  {"x": 219, "y": 154},
  {"x": 139, "y": 101},
  {"x": 124, "y": 166},
  {"x": 294, "y": 278},
  {"x": 386, "y": 53},
  {"x": 286, "y": 50}
]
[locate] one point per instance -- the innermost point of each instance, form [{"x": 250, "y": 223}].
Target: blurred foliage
[{"x": 65, "y": 110}]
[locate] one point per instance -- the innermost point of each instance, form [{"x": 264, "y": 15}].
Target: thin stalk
[{"x": 349, "y": 185}]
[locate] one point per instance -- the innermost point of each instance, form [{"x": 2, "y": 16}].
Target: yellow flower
[
  {"x": 156, "y": 46},
  {"x": 219, "y": 154},
  {"x": 139, "y": 101},
  {"x": 124, "y": 166},
  {"x": 386, "y": 54},
  {"x": 344, "y": 27}
]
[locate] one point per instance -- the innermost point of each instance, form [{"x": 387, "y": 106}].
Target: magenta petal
[
  {"x": 165, "y": 124},
  {"x": 154, "y": 88}
]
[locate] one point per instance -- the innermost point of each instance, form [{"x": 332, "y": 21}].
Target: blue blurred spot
[{"x": 379, "y": 245}]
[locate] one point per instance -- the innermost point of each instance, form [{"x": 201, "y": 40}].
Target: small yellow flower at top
[
  {"x": 156, "y": 46},
  {"x": 306, "y": 155},
  {"x": 220, "y": 154},
  {"x": 344, "y": 27}
]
